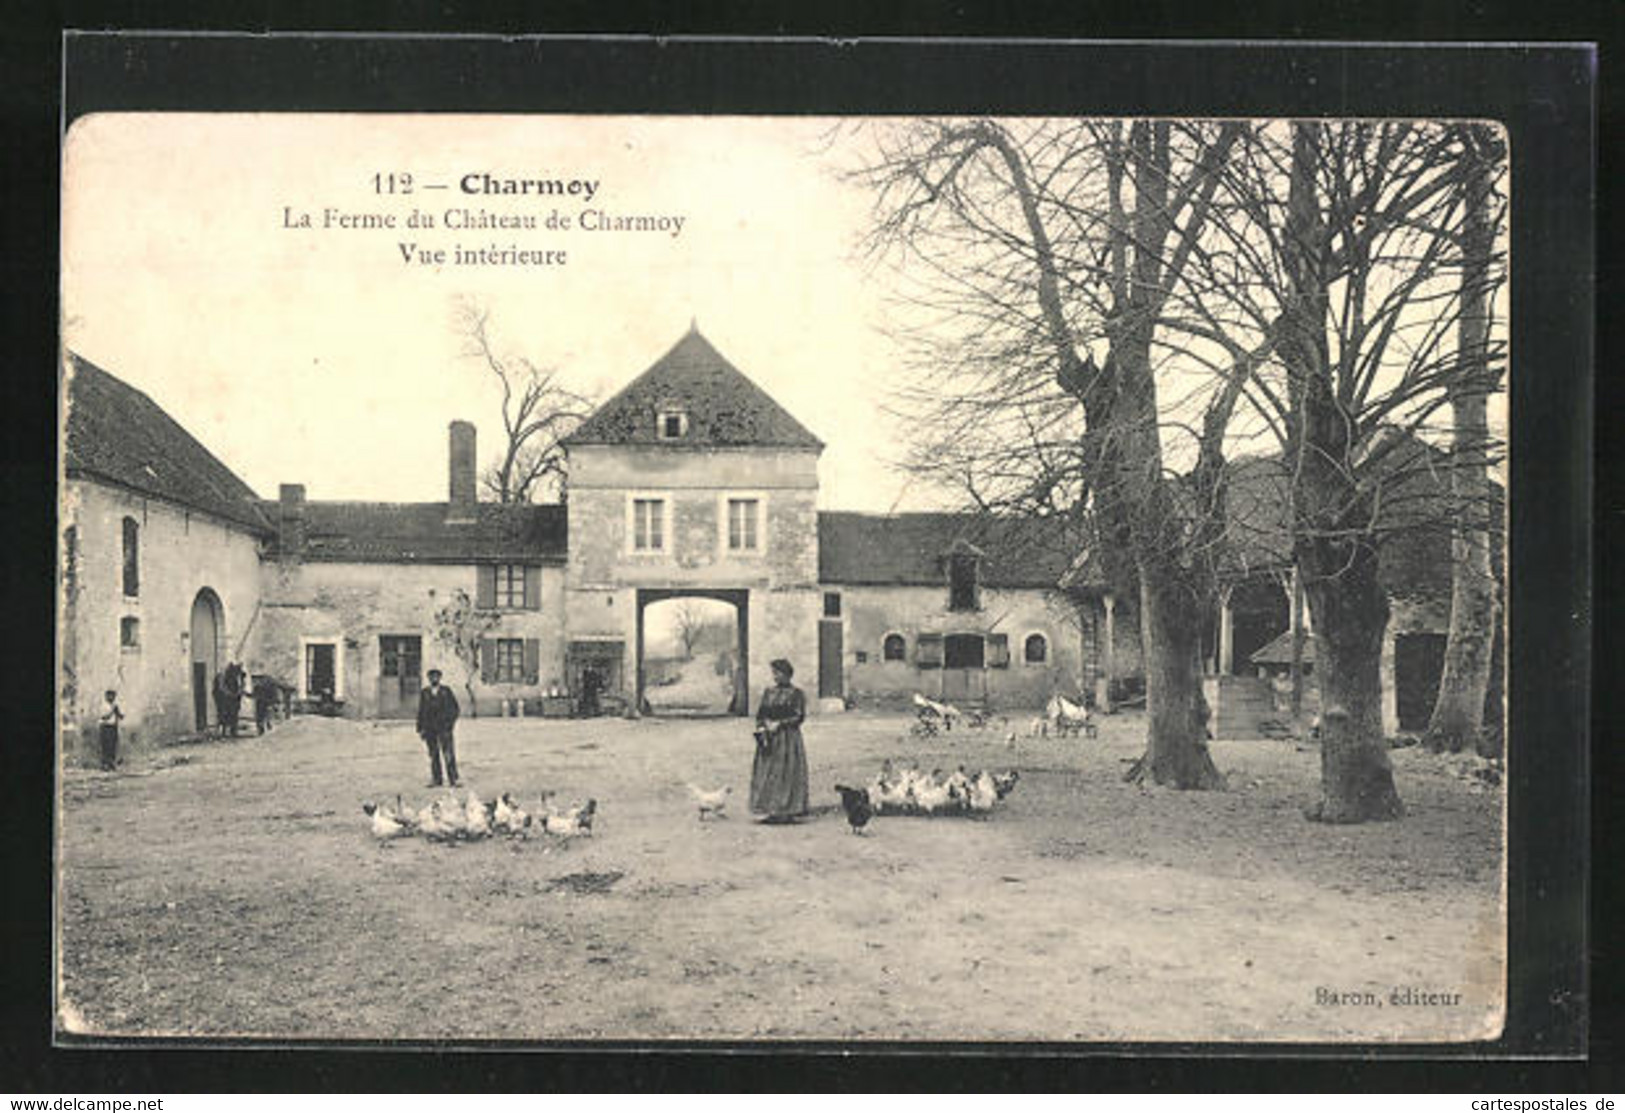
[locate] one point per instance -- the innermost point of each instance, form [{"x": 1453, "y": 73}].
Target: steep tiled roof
[
  {"x": 384, "y": 532},
  {"x": 908, "y": 549},
  {"x": 724, "y": 407},
  {"x": 116, "y": 434}
]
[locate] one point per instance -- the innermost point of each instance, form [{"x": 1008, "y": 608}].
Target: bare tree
[
  {"x": 537, "y": 413},
  {"x": 1352, "y": 234},
  {"x": 1107, "y": 308},
  {"x": 1034, "y": 243},
  {"x": 1458, "y": 714},
  {"x": 461, "y": 628},
  {"x": 689, "y": 621}
]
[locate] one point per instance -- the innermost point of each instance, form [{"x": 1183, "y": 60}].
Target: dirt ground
[{"x": 234, "y": 889}]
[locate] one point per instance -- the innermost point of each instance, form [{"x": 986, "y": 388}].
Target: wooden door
[
  {"x": 830, "y": 682},
  {"x": 400, "y": 666},
  {"x": 963, "y": 661}
]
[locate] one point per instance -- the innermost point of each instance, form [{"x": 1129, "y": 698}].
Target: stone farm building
[{"x": 690, "y": 482}]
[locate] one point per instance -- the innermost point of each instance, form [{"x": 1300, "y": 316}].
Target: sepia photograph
[{"x": 890, "y": 578}]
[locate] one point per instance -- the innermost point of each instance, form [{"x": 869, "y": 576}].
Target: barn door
[
  {"x": 830, "y": 683},
  {"x": 963, "y": 659}
]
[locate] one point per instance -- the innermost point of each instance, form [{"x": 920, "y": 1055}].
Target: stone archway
[
  {"x": 207, "y": 640},
  {"x": 739, "y": 600}
]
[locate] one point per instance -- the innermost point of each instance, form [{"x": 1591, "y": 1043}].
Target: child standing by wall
[{"x": 111, "y": 714}]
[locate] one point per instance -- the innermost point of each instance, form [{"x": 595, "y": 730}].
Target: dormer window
[
  {"x": 962, "y": 585},
  {"x": 672, "y": 424}
]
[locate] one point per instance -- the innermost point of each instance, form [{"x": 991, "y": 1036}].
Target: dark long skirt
[{"x": 778, "y": 779}]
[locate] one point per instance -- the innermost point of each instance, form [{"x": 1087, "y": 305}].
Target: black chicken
[{"x": 855, "y": 801}]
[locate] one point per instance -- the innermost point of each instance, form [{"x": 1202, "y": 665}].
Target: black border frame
[{"x": 1544, "y": 94}]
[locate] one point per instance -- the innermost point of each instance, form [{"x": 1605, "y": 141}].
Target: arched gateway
[{"x": 208, "y": 634}]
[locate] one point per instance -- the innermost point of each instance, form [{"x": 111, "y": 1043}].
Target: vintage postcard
[{"x": 553, "y": 578}]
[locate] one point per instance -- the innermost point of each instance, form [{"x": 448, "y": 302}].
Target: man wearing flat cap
[{"x": 437, "y": 716}]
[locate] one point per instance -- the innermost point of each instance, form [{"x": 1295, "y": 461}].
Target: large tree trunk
[
  {"x": 1333, "y": 524},
  {"x": 1351, "y": 617},
  {"x": 1458, "y": 714},
  {"x": 1176, "y": 752}
]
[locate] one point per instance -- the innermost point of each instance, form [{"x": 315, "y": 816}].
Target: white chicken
[
  {"x": 889, "y": 789},
  {"x": 508, "y": 817},
  {"x": 983, "y": 792},
  {"x": 931, "y": 794},
  {"x": 574, "y": 823},
  {"x": 386, "y": 823},
  {"x": 476, "y": 820},
  {"x": 713, "y": 802},
  {"x": 958, "y": 785},
  {"x": 441, "y": 820}
]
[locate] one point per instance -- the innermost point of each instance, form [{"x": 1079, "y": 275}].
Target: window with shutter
[
  {"x": 998, "y": 651},
  {"x": 510, "y": 586},
  {"x": 510, "y": 661},
  {"x": 928, "y": 651}
]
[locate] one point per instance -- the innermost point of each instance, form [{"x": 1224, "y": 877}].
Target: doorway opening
[
  {"x": 693, "y": 651},
  {"x": 207, "y": 628},
  {"x": 400, "y": 667}
]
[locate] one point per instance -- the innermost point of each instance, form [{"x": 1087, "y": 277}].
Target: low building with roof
[{"x": 160, "y": 561}]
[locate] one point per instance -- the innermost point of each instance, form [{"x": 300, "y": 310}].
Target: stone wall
[
  {"x": 604, "y": 575},
  {"x": 870, "y": 613},
  {"x": 181, "y": 553},
  {"x": 355, "y": 604}
]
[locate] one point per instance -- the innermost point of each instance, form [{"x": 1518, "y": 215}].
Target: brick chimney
[
  {"x": 461, "y": 507},
  {"x": 290, "y": 521}
]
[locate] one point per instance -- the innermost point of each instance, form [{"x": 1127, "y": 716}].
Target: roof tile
[
  {"x": 116, "y": 434},
  {"x": 724, "y": 408}
]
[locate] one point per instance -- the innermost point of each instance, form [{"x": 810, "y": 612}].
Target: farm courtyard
[{"x": 234, "y": 889}]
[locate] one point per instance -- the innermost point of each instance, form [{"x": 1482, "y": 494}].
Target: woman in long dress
[{"x": 778, "y": 779}]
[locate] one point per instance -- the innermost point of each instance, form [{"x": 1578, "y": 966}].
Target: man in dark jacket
[
  {"x": 228, "y": 697},
  {"x": 437, "y": 715}
]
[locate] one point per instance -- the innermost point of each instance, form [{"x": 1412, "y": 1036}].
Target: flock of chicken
[
  {"x": 447, "y": 819},
  {"x": 908, "y": 791}
]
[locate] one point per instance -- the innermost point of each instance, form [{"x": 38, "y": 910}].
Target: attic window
[
  {"x": 673, "y": 424},
  {"x": 962, "y": 582}
]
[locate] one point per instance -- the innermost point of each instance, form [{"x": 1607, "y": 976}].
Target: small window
[
  {"x": 928, "y": 651},
  {"x": 648, "y": 525},
  {"x": 510, "y": 664},
  {"x": 962, "y": 582},
  {"x": 863, "y": 657},
  {"x": 894, "y": 648},
  {"x": 744, "y": 516},
  {"x": 998, "y": 651},
  {"x": 132, "y": 558},
  {"x": 129, "y": 633},
  {"x": 1036, "y": 650},
  {"x": 673, "y": 425},
  {"x": 510, "y": 585},
  {"x": 832, "y": 604}
]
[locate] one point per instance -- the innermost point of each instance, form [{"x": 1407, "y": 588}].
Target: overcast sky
[{"x": 318, "y": 356}]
